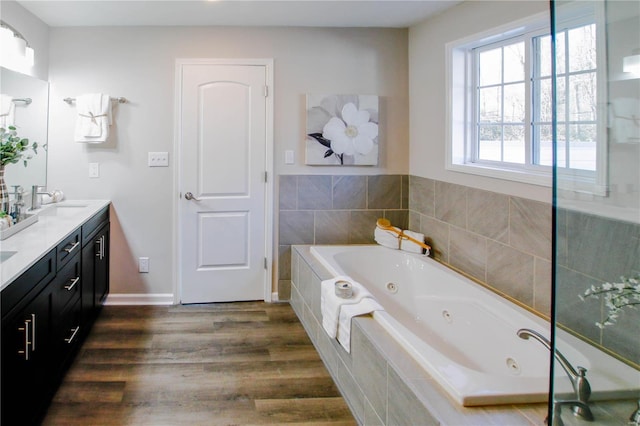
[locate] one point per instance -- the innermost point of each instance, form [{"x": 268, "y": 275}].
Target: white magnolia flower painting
[{"x": 342, "y": 130}]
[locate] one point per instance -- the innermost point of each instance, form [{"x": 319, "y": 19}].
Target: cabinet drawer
[
  {"x": 13, "y": 296},
  {"x": 92, "y": 225},
  {"x": 69, "y": 247},
  {"x": 67, "y": 284},
  {"x": 69, "y": 331}
]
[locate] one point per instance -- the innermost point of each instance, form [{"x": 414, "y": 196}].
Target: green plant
[
  {"x": 13, "y": 148},
  {"x": 616, "y": 296}
]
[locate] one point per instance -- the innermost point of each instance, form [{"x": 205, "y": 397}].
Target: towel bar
[
  {"x": 25, "y": 100},
  {"x": 118, "y": 100}
]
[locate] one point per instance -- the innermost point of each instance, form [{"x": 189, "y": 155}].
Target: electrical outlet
[
  {"x": 143, "y": 264},
  {"x": 94, "y": 170},
  {"x": 158, "y": 159}
]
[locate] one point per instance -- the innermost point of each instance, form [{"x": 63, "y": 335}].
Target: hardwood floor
[{"x": 219, "y": 364}]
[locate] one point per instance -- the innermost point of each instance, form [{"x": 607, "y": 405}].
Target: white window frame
[{"x": 461, "y": 121}]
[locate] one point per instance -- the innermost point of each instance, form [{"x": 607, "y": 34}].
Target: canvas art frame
[{"x": 342, "y": 130}]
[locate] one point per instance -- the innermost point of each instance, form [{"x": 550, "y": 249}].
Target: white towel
[
  {"x": 7, "y": 111},
  {"x": 410, "y": 246},
  {"x": 94, "y": 117},
  {"x": 386, "y": 238},
  {"x": 365, "y": 306},
  {"x": 330, "y": 304}
]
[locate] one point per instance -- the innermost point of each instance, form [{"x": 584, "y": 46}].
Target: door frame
[{"x": 177, "y": 150}]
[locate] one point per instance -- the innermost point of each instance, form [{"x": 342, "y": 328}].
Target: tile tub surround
[
  {"x": 593, "y": 250},
  {"x": 501, "y": 240},
  {"x": 335, "y": 209},
  {"x": 383, "y": 385}
]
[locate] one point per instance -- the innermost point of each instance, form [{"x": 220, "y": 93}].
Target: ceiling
[{"x": 306, "y": 13}]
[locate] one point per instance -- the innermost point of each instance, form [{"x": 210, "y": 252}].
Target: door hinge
[
  {"x": 265, "y": 263},
  {"x": 266, "y": 91},
  {"x": 266, "y": 174}
]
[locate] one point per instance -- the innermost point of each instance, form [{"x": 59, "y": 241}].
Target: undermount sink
[
  {"x": 4, "y": 255},
  {"x": 61, "y": 209}
]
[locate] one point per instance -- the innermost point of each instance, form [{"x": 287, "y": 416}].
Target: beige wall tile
[
  {"x": 510, "y": 271},
  {"x": 530, "y": 227},
  {"x": 468, "y": 252}
]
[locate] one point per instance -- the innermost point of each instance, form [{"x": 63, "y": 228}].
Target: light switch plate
[
  {"x": 94, "y": 170},
  {"x": 288, "y": 157},
  {"x": 158, "y": 159}
]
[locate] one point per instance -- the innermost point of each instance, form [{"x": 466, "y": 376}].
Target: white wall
[
  {"x": 138, "y": 63},
  {"x": 34, "y": 30},
  {"x": 428, "y": 100}
]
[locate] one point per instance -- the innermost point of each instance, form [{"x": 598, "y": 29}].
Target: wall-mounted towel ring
[{"x": 118, "y": 100}]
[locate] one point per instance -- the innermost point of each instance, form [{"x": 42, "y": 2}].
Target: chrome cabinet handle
[
  {"x": 72, "y": 283},
  {"x": 73, "y": 246},
  {"x": 189, "y": 196},
  {"x": 73, "y": 335},
  {"x": 100, "y": 242},
  {"x": 33, "y": 332},
  {"x": 27, "y": 343}
]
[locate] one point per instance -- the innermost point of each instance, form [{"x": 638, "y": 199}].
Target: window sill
[{"x": 532, "y": 177}]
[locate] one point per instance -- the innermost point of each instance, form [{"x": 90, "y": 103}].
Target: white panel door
[{"x": 222, "y": 136}]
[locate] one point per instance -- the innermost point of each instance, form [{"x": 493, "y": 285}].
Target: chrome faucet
[
  {"x": 579, "y": 381},
  {"x": 36, "y": 201}
]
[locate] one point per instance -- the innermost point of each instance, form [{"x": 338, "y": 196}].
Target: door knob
[{"x": 189, "y": 196}]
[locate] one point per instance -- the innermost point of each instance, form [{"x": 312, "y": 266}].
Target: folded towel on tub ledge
[
  {"x": 347, "y": 312},
  {"x": 337, "y": 312},
  {"x": 330, "y": 303}
]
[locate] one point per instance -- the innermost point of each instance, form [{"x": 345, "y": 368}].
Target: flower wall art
[{"x": 342, "y": 130}]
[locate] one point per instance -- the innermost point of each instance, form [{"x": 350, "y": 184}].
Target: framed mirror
[{"x": 30, "y": 119}]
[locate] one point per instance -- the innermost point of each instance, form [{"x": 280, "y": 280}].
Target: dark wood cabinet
[
  {"x": 95, "y": 273},
  {"x": 26, "y": 362},
  {"x": 46, "y": 314}
]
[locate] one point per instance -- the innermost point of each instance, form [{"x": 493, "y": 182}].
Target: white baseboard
[
  {"x": 274, "y": 297},
  {"x": 139, "y": 299}
]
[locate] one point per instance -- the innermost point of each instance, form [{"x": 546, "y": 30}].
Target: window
[{"x": 500, "y": 114}]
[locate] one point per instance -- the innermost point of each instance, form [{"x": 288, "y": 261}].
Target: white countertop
[{"x": 33, "y": 242}]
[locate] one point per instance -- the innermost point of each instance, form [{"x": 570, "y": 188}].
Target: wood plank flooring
[{"x": 220, "y": 364}]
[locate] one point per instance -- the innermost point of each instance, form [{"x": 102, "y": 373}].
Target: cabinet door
[
  {"x": 88, "y": 273},
  {"x": 95, "y": 274},
  {"x": 26, "y": 362},
  {"x": 102, "y": 267}
]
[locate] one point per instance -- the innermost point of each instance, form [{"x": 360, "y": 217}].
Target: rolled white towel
[
  {"x": 57, "y": 196},
  {"x": 386, "y": 238},
  {"x": 46, "y": 199},
  {"x": 410, "y": 246}
]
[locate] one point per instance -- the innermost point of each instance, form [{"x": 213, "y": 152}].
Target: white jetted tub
[{"x": 465, "y": 335}]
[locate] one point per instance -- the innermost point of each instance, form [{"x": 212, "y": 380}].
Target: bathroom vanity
[{"x": 55, "y": 278}]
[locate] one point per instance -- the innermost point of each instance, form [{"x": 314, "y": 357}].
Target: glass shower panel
[{"x": 597, "y": 189}]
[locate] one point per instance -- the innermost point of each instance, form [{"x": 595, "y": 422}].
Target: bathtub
[{"x": 464, "y": 335}]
